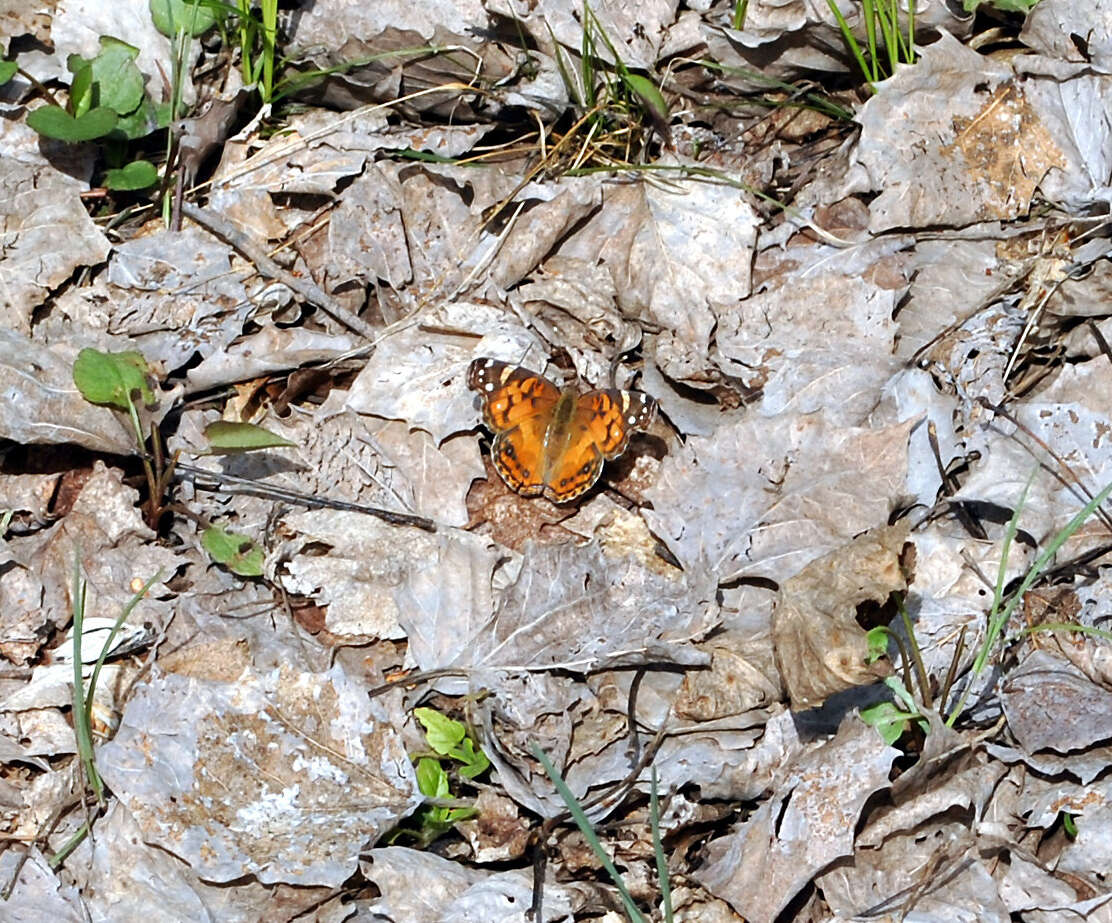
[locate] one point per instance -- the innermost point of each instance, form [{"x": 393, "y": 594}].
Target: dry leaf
[{"x": 820, "y": 648}]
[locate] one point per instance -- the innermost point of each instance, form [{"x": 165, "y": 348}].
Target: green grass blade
[
  {"x": 567, "y": 74},
  {"x": 1047, "y": 556},
  {"x": 81, "y": 729},
  {"x": 650, "y": 97},
  {"x": 658, "y": 849},
  {"x": 888, "y": 19},
  {"x": 107, "y": 646},
  {"x": 1002, "y": 574},
  {"x": 851, "y": 41},
  {"x": 868, "y": 10},
  {"x": 999, "y": 619},
  {"x": 1068, "y": 627},
  {"x": 910, "y": 31},
  {"x": 69, "y": 846},
  {"x": 916, "y": 655},
  {"x": 902, "y": 48},
  {"x": 269, "y": 35},
  {"x": 587, "y": 59},
  {"x": 584, "y": 824},
  {"x": 997, "y": 592},
  {"x": 597, "y": 29},
  {"x": 741, "y": 7},
  {"x": 246, "y": 39}
]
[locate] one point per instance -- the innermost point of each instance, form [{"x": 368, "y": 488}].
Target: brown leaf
[{"x": 820, "y": 649}]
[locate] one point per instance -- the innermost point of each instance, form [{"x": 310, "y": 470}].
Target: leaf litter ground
[{"x": 879, "y": 347}]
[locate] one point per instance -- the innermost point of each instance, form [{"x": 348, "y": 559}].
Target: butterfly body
[{"x": 553, "y": 441}]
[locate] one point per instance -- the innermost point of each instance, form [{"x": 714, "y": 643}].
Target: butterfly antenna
[
  {"x": 631, "y": 339},
  {"x": 525, "y": 355}
]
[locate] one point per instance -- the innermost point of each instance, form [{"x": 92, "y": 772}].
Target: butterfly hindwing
[{"x": 518, "y": 457}]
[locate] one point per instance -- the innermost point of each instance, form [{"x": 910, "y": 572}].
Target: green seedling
[
  {"x": 55, "y": 122},
  {"x": 229, "y": 437},
  {"x": 433, "y": 820},
  {"x": 116, "y": 380},
  {"x": 890, "y": 719},
  {"x": 7, "y": 71},
  {"x": 110, "y": 79},
  {"x": 120, "y": 381},
  {"x": 107, "y": 102},
  {"x": 194, "y": 17},
  {"x": 124, "y": 381},
  {"x": 449, "y": 740},
  {"x": 239, "y": 553},
  {"x": 876, "y": 640},
  {"x": 139, "y": 174}
]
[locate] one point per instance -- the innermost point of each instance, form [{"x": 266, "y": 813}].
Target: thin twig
[
  {"x": 1072, "y": 481},
  {"x": 950, "y": 485},
  {"x": 1033, "y": 319},
  {"x": 256, "y": 253},
  {"x": 293, "y": 496}
]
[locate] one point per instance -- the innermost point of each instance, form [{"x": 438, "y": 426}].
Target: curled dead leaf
[{"x": 820, "y": 649}]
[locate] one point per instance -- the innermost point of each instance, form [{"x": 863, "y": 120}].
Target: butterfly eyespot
[{"x": 586, "y": 468}]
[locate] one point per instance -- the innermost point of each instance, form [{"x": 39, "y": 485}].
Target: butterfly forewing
[
  {"x": 510, "y": 394},
  {"x": 613, "y": 416}
]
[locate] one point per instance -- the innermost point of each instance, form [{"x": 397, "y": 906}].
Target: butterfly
[{"x": 549, "y": 440}]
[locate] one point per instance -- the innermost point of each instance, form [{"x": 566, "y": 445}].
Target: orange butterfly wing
[
  {"x": 517, "y": 408},
  {"x": 599, "y": 428},
  {"x": 553, "y": 442}
]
